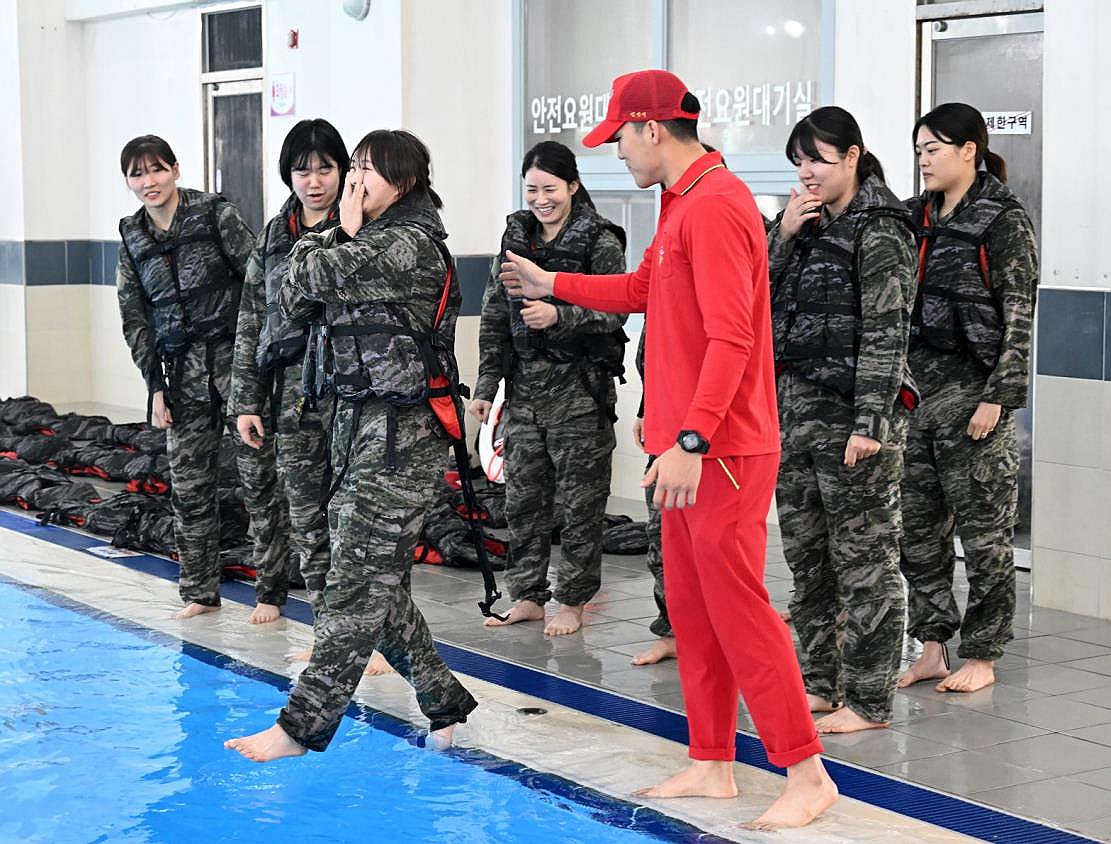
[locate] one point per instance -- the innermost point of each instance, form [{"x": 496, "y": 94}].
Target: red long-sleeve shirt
[{"x": 703, "y": 285}]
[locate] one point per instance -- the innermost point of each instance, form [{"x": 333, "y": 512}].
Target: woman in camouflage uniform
[
  {"x": 842, "y": 274},
  {"x": 970, "y": 354},
  {"x": 269, "y": 354},
  {"x": 558, "y": 361},
  {"x": 179, "y": 276},
  {"x": 382, "y": 278}
]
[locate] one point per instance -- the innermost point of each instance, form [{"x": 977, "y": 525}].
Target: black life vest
[
  {"x": 956, "y": 309},
  {"x": 191, "y": 285},
  {"x": 816, "y": 299},
  {"x": 281, "y": 341},
  {"x": 372, "y": 351},
  {"x": 569, "y": 253}
]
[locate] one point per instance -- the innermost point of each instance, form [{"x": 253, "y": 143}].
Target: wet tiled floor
[{"x": 1038, "y": 743}]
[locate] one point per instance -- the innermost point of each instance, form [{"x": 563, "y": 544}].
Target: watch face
[{"x": 690, "y": 442}]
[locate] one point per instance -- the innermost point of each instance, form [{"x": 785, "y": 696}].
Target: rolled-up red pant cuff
[
  {"x": 793, "y": 757},
  {"x": 713, "y": 754}
]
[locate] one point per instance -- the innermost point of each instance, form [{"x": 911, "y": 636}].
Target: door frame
[{"x": 926, "y": 16}]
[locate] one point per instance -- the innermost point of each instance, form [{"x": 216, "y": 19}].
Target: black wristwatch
[{"x": 693, "y": 442}]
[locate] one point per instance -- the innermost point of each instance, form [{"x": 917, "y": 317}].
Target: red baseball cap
[{"x": 639, "y": 97}]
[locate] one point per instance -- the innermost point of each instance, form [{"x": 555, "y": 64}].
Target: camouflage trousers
[
  {"x": 193, "y": 447},
  {"x": 266, "y": 504},
  {"x": 840, "y": 529},
  {"x": 302, "y": 443},
  {"x": 375, "y": 520},
  {"x": 661, "y": 626},
  {"x": 571, "y": 461},
  {"x": 952, "y": 479}
]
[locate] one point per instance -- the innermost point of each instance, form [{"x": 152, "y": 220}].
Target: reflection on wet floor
[{"x": 1037, "y": 744}]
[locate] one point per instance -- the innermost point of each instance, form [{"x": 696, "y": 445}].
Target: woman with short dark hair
[
  {"x": 267, "y": 370},
  {"x": 842, "y": 274},
  {"x": 970, "y": 353},
  {"x": 385, "y": 281}
]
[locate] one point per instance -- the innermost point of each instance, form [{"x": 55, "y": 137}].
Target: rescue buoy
[{"x": 491, "y": 440}]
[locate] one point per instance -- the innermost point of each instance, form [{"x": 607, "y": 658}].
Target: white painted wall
[
  {"x": 346, "y": 71},
  {"x": 141, "y": 77},
  {"x": 1075, "y": 215},
  {"x": 11, "y": 162},
  {"x": 875, "y": 79},
  {"x": 457, "y": 93},
  {"x": 52, "y": 64}
]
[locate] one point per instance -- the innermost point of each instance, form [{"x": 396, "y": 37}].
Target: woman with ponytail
[
  {"x": 970, "y": 354},
  {"x": 389, "y": 299},
  {"x": 558, "y": 361},
  {"x": 842, "y": 276}
]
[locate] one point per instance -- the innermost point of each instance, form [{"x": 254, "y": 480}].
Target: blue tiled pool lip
[
  {"x": 611, "y": 811},
  {"x": 911, "y": 800}
]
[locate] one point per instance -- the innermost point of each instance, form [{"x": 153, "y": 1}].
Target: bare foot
[
  {"x": 300, "y": 656},
  {"x": 817, "y": 703},
  {"x": 440, "y": 739},
  {"x": 933, "y": 664},
  {"x": 265, "y": 613},
  {"x": 663, "y": 648},
  {"x": 192, "y": 609},
  {"x": 844, "y": 720},
  {"x": 567, "y": 620},
  {"x": 377, "y": 665},
  {"x": 975, "y": 674},
  {"x": 785, "y": 615},
  {"x": 266, "y": 746},
  {"x": 521, "y": 611},
  {"x": 703, "y": 778},
  {"x": 809, "y": 793}
]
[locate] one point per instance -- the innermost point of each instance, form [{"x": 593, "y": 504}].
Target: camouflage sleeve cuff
[
  {"x": 1005, "y": 397},
  {"x": 873, "y": 426}
]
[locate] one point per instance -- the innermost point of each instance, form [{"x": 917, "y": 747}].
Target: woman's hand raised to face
[
  {"x": 351, "y": 205},
  {"x": 801, "y": 208}
]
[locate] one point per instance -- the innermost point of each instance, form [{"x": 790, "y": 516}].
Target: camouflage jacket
[
  {"x": 883, "y": 263},
  {"x": 248, "y": 384},
  {"x": 392, "y": 266},
  {"x": 555, "y": 388},
  {"x": 1009, "y": 292},
  {"x": 236, "y": 242}
]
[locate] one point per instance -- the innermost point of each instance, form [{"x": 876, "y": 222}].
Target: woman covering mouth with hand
[
  {"x": 558, "y": 361},
  {"x": 842, "y": 275}
]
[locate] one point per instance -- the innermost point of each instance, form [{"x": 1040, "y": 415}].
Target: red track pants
[{"x": 729, "y": 637}]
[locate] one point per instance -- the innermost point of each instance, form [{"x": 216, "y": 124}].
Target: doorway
[{"x": 995, "y": 64}]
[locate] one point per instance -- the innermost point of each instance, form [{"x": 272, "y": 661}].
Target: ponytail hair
[
  {"x": 834, "y": 126},
  {"x": 957, "y": 124},
  {"x": 554, "y": 158},
  {"x": 402, "y": 159}
]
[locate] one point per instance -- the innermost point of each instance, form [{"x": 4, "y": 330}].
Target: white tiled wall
[
  {"x": 13, "y": 340},
  {"x": 1072, "y": 495},
  {"x": 58, "y": 350},
  {"x": 115, "y": 379}
]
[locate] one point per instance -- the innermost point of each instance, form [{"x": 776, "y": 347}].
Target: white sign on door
[{"x": 1009, "y": 122}]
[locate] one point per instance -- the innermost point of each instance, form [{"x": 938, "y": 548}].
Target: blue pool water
[{"x": 112, "y": 733}]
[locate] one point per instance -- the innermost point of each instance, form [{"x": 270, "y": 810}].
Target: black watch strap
[{"x": 693, "y": 442}]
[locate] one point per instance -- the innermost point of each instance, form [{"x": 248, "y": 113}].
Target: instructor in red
[{"x": 710, "y": 416}]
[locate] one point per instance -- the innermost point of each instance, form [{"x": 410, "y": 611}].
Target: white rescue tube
[{"x": 491, "y": 440}]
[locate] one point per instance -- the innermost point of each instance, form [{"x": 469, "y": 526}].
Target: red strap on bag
[{"x": 440, "y": 397}]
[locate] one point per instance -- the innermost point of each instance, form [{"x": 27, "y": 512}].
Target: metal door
[
  {"x": 995, "y": 64},
  {"x": 234, "y": 145}
]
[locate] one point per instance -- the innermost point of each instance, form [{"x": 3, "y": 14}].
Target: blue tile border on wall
[
  {"x": 1072, "y": 333},
  {"x": 34, "y": 263}
]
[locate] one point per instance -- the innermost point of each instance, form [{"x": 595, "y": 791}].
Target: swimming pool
[{"x": 110, "y": 732}]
